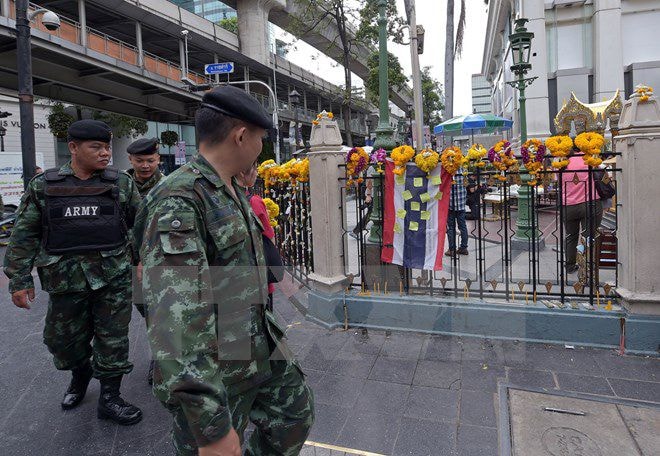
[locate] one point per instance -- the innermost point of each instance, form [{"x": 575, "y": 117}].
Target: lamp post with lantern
[
  {"x": 527, "y": 233},
  {"x": 294, "y": 98}
]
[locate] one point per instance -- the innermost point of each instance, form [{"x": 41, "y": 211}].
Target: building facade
[
  {"x": 481, "y": 94},
  {"x": 590, "y": 47}
]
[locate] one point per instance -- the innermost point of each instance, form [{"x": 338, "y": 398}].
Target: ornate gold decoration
[
  {"x": 521, "y": 285},
  {"x": 607, "y": 288},
  {"x": 443, "y": 281},
  {"x": 548, "y": 286},
  {"x": 468, "y": 283},
  {"x": 589, "y": 116},
  {"x": 493, "y": 283},
  {"x": 578, "y": 287}
]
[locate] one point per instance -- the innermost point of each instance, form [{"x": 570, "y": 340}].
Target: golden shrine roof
[{"x": 588, "y": 116}]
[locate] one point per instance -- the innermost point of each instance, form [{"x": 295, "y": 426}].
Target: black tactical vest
[{"x": 82, "y": 215}]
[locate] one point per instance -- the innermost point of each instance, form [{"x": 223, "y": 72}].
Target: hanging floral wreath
[
  {"x": 452, "y": 159},
  {"x": 267, "y": 171},
  {"x": 559, "y": 147},
  {"x": 591, "y": 144},
  {"x": 402, "y": 155},
  {"x": 501, "y": 156},
  {"x": 532, "y": 153},
  {"x": 321, "y": 115},
  {"x": 378, "y": 158},
  {"x": 273, "y": 211},
  {"x": 302, "y": 169},
  {"x": 357, "y": 161},
  {"x": 476, "y": 155},
  {"x": 427, "y": 160},
  {"x": 644, "y": 92}
]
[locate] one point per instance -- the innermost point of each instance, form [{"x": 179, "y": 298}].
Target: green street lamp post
[
  {"x": 384, "y": 132},
  {"x": 521, "y": 46}
]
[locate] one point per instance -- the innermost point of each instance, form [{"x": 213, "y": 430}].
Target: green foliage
[
  {"x": 59, "y": 121},
  {"x": 122, "y": 126},
  {"x": 169, "y": 138},
  {"x": 396, "y": 78},
  {"x": 267, "y": 151},
  {"x": 431, "y": 98},
  {"x": 368, "y": 22},
  {"x": 229, "y": 23}
]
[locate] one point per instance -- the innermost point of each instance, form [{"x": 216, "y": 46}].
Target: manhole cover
[{"x": 560, "y": 425}]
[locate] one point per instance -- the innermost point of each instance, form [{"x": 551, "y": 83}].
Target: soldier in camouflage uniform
[
  {"x": 144, "y": 157},
  {"x": 221, "y": 360},
  {"x": 72, "y": 224}
]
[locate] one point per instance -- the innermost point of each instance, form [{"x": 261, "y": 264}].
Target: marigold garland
[
  {"x": 532, "y": 153},
  {"x": 357, "y": 161},
  {"x": 452, "y": 159},
  {"x": 501, "y": 156},
  {"x": 273, "y": 211},
  {"x": 378, "y": 157},
  {"x": 591, "y": 144},
  {"x": 645, "y": 92},
  {"x": 559, "y": 147},
  {"x": 476, "y": 154},
  {"x": 427, "y": 160},
  {"x": 266, "y": 171},
  {"x": 401, "y": 155}
]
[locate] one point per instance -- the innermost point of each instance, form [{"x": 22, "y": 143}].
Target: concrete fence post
[
  {"x": 638, "y": 195},
  {"x": 327, "y": 200}
]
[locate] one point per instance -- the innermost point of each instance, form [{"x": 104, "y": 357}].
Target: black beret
[
  {"x": 89, "y": 130},
  {"x": 234, "y": 102},
  {"x": 144, "y": 146}
]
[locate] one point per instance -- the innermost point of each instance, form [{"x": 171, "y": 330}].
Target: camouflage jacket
[
  {"x": 205, "y": 286},
  {"x": 144, "y": 187},
  {"x": 69, "y": 272}
]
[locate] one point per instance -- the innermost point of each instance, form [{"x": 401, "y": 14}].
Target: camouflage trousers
[
  {"x": 92, "y": 324},
  {"x": 282, "y": 410}
]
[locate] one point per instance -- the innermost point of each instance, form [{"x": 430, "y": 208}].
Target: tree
[
  {"x": 60, "y": 119},
  {"x": 368, "y": 27},
  {"x": 431, "y": 98},
  {"x": 229, "y": 23},
  {"x": 397, "y": 80},
  {"x": 451, "y": 53}
]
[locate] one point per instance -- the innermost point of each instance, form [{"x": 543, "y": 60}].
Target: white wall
[{"x": 640, "y": 36}]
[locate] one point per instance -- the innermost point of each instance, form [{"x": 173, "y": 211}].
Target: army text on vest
[{"x": 82, "y": 215}]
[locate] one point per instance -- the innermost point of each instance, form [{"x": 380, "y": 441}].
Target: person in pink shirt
[
  {"x": 582, "y": 206},
  {"x": 247, "y": 180}
]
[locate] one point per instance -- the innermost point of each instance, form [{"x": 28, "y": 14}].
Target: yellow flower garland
[
  {"x": 401, "y": 155},
  {"x": 645, "y": 92},
  {"x": 273, "y": 211},
  {"x": 591, "y": 144},
  {"x": 476, "y": 154},
  {"x": 358, "y": 161},
  {"x": 427, "y": 160},
  {"x": 452, "y": 159},
  {"x": 559, "y": 147}
]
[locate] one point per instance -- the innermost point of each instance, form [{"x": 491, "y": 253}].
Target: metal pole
[
  {"x": 523, "y": 111},
  {"x": 82, "y": 18},
  {"x": 138, "y": 41},
  {"x": 417, "y": 79},
  {"x": 25, "y": 94}
]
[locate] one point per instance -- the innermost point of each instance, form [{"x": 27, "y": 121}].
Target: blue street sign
[{"x": 219, "y": 68}]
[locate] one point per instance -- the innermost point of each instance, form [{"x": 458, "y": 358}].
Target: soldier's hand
[
  {"x": 23, "y": 298},
  {"x": 229, "y": 445}
]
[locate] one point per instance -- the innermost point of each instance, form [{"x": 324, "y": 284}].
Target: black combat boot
[
  {"x": 113, "y": 407},
  {"x": 150, "y": 375},
  {"x": 80, "y": 377}
]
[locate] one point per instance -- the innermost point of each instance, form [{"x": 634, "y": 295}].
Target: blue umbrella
[{"x": 473, "y": 123}]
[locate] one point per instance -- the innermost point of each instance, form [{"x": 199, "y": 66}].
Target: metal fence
[{"x": 499, "y": 265}]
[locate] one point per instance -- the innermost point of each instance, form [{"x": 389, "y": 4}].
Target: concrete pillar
[
  {"x": 82, "y": 18},
  {"x": 138, "y": 41},
  {"x": 216, "y": 76},
  {"x": 304, "y": 94},
  {"x": 246, "y": 77},
  {"x": 5, "y": 8},
  {"x": 638, "y": 194},
  {"x": 318, "y": 103},
  {"x": 253, "y": 27},
  {"x": 608, "y": 51},
  {"x": 538, "y": 107},
  {"x": 182, "y": 59},
  {"x": 325, "y": 156}
]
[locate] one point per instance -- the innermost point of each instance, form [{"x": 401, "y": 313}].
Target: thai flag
[{"x": 415, "y": 217}]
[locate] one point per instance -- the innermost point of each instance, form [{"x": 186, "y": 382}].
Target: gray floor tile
[
  {"x": 480, "y": 376},
  {"x": 384, "y": 398},
  {"x": 338, "y": 390},
  {"x": 439, "y": 374},
  {"x": 396, "y": 370},
  {"x": 316, "y": 358},
  {"x": 483, "y": 350},
  {"x": 441, "y": 348},
  {"x": 352, "y": 364},
  {"x": 477, "y": 408},
  {"x": 434, "y": 404},
  {"x": 421, "y": 437},
  {"x": 584, "y": 384},
  {"x": 403, "y": 346},
  {"x": 370, "y": 432},
  {"x": 477, "y": 441},
  {"x": 365, "y": 341},
  {"x": 533, "y": 378},
  {"x": 328, "y": 423},
  {"x": 634, "y": 389},
  {"x": 614, "y": 365}
]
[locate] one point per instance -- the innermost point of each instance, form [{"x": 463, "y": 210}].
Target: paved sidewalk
[{"x": 391, "y": 394}]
